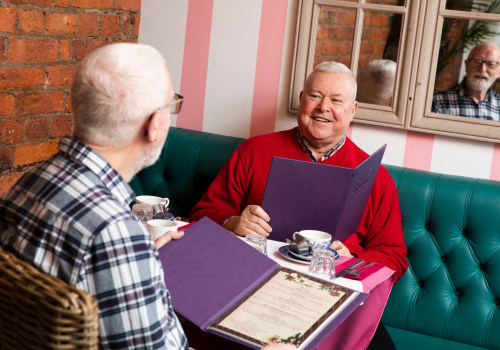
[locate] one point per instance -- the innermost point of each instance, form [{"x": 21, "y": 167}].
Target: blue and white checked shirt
[
  {"x": 457, "y": 101},
  {"x": 70, "y": 218}
]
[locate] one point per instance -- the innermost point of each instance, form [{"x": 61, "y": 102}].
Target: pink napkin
[{"x": 363, "y": 273}]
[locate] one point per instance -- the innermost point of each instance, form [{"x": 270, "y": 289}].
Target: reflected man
[
  {"x": 376, "y": 82},
  {"x": 473, "y": 97}
]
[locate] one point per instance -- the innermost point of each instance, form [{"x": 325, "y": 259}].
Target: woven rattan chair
[{"x": 39, "y": 311}]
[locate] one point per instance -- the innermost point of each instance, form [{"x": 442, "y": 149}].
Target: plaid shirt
[
  {"x": 457, "y": 101},
  {"x": 70, "y": 218}
]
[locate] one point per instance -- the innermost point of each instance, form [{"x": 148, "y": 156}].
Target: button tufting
[
  {"x": 481, "y": 267},
  {"x": 457, "y": 293},
  {"x": 428, "y": 226},
  {"x": 420, "y": 284},
  {"x": 444, "y": 258},
  {"x": 497, "y": 301}
]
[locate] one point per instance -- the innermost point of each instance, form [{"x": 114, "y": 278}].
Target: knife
[{"x": 349, "y": 268}]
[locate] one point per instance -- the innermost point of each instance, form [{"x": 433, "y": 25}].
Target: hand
[
  {"x": 167, "y": 237},
  {"x": 279, "y": 346},
  {"x": 253, "y": 219},
  {"x": 341, "y": 249}
]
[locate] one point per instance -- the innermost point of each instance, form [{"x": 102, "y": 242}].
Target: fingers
[
  {"x": 253, "y": 219},
  {"x": 340, "y": 248},
  {"x": 167, "y": 237}
]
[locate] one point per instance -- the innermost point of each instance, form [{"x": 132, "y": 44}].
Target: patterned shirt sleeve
[{"x": 124, "y": 273}]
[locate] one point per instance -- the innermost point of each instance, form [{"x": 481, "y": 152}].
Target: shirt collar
[
  {"x": 79, "y": 152},
  {"x": 307, "y": 148}
]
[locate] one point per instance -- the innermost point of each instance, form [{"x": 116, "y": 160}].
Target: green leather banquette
[{"x": 450, "y": 296}]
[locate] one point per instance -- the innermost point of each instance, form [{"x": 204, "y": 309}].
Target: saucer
[
  {"x": 299, "y": 256},
  {"x": 285, "y": 252}
]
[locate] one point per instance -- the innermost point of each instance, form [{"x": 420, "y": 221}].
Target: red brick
[
  {"x": 61, "y": 3},
  {"x": 37, "y": 128},
  {"x": 6, "y": 159},
  {"x": 87, "y": 24},
  {"x": 7, "y": 103},
  {"x": 62, "y": 125},
  {"x": 31, "y": 2},
  {"x": 30, "y": 21},
  {"x": 96, "y": 4},
  {"x": 39, "y": 102},
  {"x": 110, "y": 25},
  {"x": 68, "y": 105},
  {"x": 137, "y": 23},
  {"x": 11, "y": 131},
  {"x": 128, "y": 5},
  {"x": 21, "y": 78},
  {"x": 30, "y": 154},
  {"x": 60, "y": 23},
  {"x": 126, "y": 24},
  {"x": 64, "y": 50},
  {"x": 32, "y": 50},
  {"x": 61, "y": 75},
  {"x": 81, "y": 48},
  {"x": 7, "y": 181},
  {"x": 8, "y": 20}
]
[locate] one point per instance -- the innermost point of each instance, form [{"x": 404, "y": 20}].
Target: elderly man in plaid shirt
[
  {"x": 473, "y": 96},
  {"x": 70, "y": 216}
]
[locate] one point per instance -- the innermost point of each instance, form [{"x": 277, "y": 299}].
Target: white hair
[
  {"x": 115, "y": 89},
  {"x": 376, "y": 82},
  {"x": 337, "y": 68}
]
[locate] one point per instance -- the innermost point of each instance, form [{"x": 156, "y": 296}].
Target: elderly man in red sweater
[{"x": 327, "y": 107}]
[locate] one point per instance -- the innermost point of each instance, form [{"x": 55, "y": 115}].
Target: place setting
[
  {"x": 301, "y": 249},
  {"x": 153, "y": 212}
]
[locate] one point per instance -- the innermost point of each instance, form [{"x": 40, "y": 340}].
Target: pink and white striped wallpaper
[{"x": 231, "y": 59}]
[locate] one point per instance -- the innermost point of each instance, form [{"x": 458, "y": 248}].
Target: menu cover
[
  {"x": 303, "y": 195},
  {"x": 228, "y": 288}
]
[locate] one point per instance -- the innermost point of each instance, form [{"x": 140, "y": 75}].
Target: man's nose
[
  {"x": 324, "y": 105},
  {"x": 482, "y": 67}
]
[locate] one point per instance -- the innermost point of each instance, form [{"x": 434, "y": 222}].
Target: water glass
[
  {"x": 143, "y": 211},
  {"x": 323, "y": 262},
  {"x": 258, "y": 242}
]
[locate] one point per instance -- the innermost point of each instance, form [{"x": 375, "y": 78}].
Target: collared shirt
[
  {"x": 307, "y": 148},
  {"x": 457, "y": 101},
  {"x": 70, "y": 218}
]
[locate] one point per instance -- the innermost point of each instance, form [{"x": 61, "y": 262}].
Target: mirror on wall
[{"x": 414, "y": 49}]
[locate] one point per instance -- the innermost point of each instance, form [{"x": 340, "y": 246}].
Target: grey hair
[
  {"x": 376, "y": 82},
  {"x": 337, "y": 68},
  {"x": 115, "y": 89}
]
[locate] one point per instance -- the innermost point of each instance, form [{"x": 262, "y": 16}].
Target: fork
[{"x": 355, "y": 272}]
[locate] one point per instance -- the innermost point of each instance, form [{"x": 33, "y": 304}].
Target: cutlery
[
  {"x": 355, "y": 272},
  {"x": 349, "y": 268}
]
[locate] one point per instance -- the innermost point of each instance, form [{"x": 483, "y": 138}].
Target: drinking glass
[
  {"x": 323, "y": 262},
  {"x": 258, "y": 242}
]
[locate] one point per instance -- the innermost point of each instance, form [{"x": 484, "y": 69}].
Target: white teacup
[
  {"x": 152, "y": 200},
  {"x": 311, "y": 240},
  {"x": 158, "y": 227}
]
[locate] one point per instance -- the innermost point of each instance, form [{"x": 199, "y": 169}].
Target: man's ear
[{"x": 153, "y": 126}]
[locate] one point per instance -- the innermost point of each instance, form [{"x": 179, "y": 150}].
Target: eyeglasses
[
  {"x": 175, "y": 104},
  {"x": 476, "y": 62}
]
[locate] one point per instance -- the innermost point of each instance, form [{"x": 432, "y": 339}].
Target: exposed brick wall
[{"x": 41, "y": 43}]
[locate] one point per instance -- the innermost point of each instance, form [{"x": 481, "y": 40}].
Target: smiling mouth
[{"x": 322, "y": 120}]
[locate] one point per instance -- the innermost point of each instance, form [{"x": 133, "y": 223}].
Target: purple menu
[
  {"x": 210, "y": 272},
  {"x": 310, "y": 196}
]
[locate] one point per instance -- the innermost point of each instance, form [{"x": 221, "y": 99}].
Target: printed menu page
[{"x": 288, "y": 307}]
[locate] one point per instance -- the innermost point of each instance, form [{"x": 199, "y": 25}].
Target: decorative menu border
[{"x": 324, "y": 308}]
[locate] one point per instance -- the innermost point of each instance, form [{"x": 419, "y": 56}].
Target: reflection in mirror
[
  {"x": 378, "y": 57},
  {"x": 335, "y": 35},
  {"x": 467, "y": 68},
  {"x": 376, "y": 82},
  {"x": 484, "y": 6}
]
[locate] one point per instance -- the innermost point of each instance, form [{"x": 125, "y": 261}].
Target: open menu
[
  {"x": 303, "y": 195},
  {"x": 227, "y": 287}
]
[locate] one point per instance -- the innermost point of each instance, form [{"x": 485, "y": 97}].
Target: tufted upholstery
[
  {"x": 451, "y": 290},
  {"x": 450, "y": 296}
]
